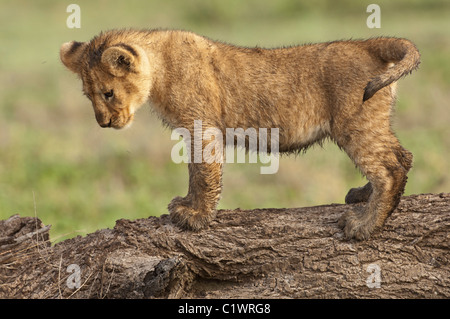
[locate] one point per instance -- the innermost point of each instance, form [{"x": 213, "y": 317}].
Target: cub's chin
[
  {"x": 121, "y": 124},
  {"x": 126, "y": 126}
]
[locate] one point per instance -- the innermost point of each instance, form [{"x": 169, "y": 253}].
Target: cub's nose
[{"x": 102, "y": 120}]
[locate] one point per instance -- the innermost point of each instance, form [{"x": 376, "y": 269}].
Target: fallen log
[{"x": 261, "y": 253}]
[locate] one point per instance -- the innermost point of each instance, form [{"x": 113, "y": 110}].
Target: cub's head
[{"x": 115, "y": 77}]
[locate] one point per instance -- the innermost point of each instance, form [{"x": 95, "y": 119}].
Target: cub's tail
[{"x": 401, "y": 54}]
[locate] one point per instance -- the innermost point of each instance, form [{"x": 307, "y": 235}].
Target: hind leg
[
  {"x": 362, "y": 194},
  {"x": 385, "y": 163}
]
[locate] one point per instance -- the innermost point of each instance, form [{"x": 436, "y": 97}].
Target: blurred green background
[{"x": 57, "y": 163}]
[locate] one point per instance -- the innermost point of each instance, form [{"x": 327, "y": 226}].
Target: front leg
[{"x": 198, "y": 207}]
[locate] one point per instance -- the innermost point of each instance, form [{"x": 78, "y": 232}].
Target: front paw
[
  {"x": 184, "y": 216},
  {"x": 357, "y": 225}
]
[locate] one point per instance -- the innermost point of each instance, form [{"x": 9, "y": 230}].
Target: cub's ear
[
  {"x": 70, "y": 54},
  {"x": 120, "y": 60}
]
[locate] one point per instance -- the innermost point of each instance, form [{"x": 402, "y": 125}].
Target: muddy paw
[
  {"x": 185, "y": 217},
  {"x": 356, "y": 225}
]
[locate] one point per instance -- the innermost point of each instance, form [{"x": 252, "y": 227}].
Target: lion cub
[{"x": 342, "y": 90}]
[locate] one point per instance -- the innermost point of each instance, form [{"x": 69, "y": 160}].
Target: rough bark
[{"x": 263, "y": 253}]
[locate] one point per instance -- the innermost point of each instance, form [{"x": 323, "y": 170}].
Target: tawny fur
[{"x": 342, "y": 90}]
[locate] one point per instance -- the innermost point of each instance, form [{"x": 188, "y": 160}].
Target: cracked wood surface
[{"x": 261, "y": 253}]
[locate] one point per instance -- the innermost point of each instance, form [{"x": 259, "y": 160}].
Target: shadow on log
[{"x": 262, "y": 253}]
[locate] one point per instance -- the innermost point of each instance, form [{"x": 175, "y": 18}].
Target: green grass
[{"x": 57, "y": 163}]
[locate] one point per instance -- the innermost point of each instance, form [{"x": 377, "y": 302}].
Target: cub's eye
[{"x": 108, "y": 95}]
